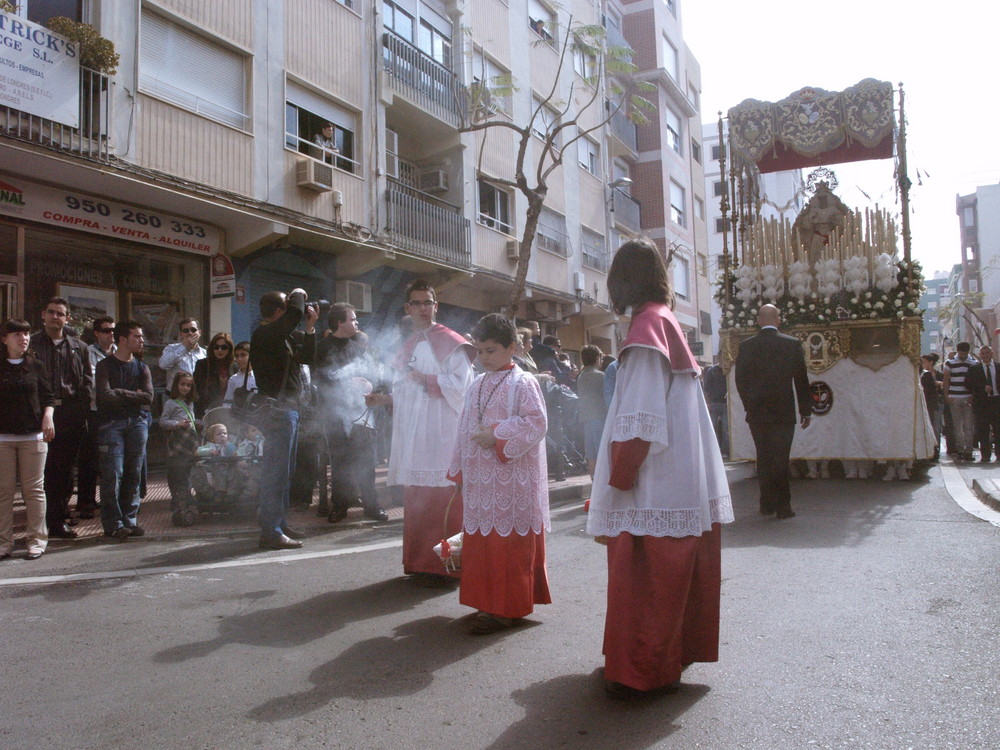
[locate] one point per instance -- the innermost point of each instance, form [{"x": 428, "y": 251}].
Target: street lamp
[{"x": 617, "y": 184}]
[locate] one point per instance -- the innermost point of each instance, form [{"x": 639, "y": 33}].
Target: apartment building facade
[
  {"x": 668, "y": 176},
  {"x": 190, "y": 181}
]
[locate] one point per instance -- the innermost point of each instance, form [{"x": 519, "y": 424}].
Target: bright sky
[{"x": 943, "y": 53}]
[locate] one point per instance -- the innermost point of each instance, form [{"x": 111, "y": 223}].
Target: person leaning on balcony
[{"x": 327, "y": 146}]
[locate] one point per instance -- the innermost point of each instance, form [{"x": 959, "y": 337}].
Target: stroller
[{"x": 230, "y": 482}]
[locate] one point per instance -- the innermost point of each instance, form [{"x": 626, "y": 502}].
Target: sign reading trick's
[{"x": 39, "y": 71}]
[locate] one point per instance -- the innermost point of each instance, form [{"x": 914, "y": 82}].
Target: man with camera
[{"x": 276, "y": 363}]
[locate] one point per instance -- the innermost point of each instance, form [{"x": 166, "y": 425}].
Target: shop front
[{"x": 104, "y": 262}]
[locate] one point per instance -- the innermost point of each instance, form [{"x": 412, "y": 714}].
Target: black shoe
[
  {"x": 135, "y": 530},
  {"x": 336, "y": 515},
  {"x": 783, "y": 514},
  {"x": 377, "y": 514},
  {"x": 278, "y": 541},
  {"x": 72, "y": 521},
  {"x": 120, "y": 534},
  {"x": 293, "y": 533},
  {"x": 766, "y": 510},
  {"x": 62, "y": 531},
  {"x": 5, "y": 556}
]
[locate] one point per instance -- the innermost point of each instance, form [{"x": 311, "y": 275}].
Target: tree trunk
[{"x": 535, "y": 203}]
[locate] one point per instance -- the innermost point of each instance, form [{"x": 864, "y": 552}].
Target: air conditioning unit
[
  {"x": 433, "y": 181},
  {"x": 579, "y": 281},
  {"x": 513, "y": 249},
  {"x": 314, "y": 175},
  {"x": 391, "y": 153},
  {"x": 355, "y": 293}
]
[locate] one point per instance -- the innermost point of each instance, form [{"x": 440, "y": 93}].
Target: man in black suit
[
  {"x": 982, "y": 382},
  {"x": 770, "y": 377}
]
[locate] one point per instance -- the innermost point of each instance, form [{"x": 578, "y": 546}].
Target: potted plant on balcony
[{"x": 96, "y": 52}]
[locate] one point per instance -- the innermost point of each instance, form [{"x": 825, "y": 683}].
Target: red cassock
[
  {"x": 427, "y": 509},
  {"x": 663, "y": 606}
]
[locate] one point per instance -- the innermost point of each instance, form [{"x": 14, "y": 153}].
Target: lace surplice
[{"x": 504, "y": 496}]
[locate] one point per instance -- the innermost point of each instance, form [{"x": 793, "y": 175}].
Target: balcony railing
[
  {"x": 626, "y": 209},
  {"x": 595, "y": 256},
  {"x": 423, "y": 79},
  {"x": 624, "y": 130},
  {"x": 429, "y": 227},
  {"x": 552, "y": 240},
  {"x": 90, "y": 139}
]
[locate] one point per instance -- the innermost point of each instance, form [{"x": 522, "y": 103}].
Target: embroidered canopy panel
[{"x": 813, "y": 127}]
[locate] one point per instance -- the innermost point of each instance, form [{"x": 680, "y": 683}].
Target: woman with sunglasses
[
  {"x": 26, "y": 425},
  {"x": 211, "y": 375}
]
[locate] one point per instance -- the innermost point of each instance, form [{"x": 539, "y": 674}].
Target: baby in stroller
[{"x": 225, "y": 476}]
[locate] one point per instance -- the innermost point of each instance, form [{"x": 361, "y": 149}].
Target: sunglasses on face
[
  {"x": 104, "y": 330},
  {"x": 189, "y": 330},
  {"x": 221, "y": 346}
]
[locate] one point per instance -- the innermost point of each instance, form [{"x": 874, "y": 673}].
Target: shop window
[
  {"x": 192, "y": 71},
  {"x": 494, "y": 208},
  {"x": 305, "y": 115}
]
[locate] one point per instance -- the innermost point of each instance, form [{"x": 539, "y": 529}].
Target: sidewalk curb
[
  {"x": 988, "y": 491},
  {"x": 566, "y": 492}
]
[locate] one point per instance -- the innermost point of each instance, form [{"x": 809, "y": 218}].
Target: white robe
[
  {"x": 681, "y": 488},
  {"x": 424, "y": 427}
]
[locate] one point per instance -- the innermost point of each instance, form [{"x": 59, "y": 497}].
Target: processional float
[{"x": 834, "y": 273}]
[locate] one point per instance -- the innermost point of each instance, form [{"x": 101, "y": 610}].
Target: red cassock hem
[
  {"x": 424, "y": 510},
  {"x": 504, "y": 575},
  {"x": 663, "y": 606}
]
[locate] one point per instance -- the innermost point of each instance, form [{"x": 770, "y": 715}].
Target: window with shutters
[{"x": 192, "y": 71}]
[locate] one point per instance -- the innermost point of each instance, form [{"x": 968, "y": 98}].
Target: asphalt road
[{"x": 868, "y": 621}]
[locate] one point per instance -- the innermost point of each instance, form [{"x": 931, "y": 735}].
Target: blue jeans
[
  {"x": 121, "y": 444},
  {"x": 281, "y": 434}
]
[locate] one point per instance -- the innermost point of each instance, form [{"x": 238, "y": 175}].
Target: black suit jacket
[
  {"x": 771, "y": 376},
  {"x": 975, "y": 381}
]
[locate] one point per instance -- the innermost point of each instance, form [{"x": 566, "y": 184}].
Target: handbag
[{"x": 183, "y": 442}]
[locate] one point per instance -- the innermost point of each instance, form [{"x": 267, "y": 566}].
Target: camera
[{"x": 321, "y": 306}]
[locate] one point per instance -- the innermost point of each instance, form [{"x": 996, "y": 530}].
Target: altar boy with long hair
[
  {"x": 660, "y": 492},
  {"x": 500, "y": 463}
]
